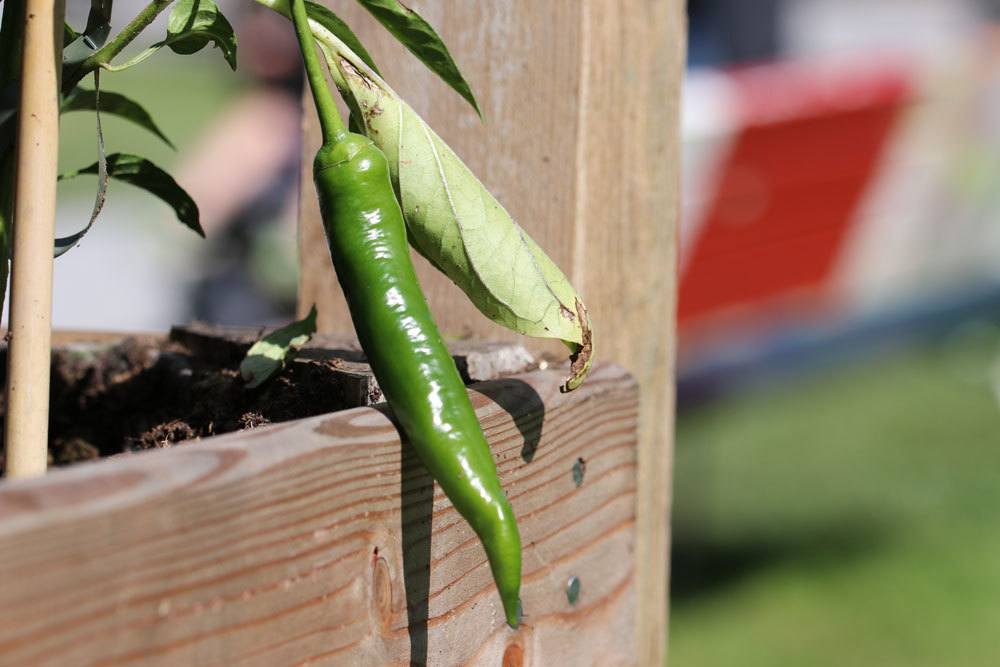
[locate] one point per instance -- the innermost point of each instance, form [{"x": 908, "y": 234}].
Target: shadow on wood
[
  {"x": 416, "y": 495},
  {"x": 416, "y": 492},
  {"x": 524, "y": 405}
]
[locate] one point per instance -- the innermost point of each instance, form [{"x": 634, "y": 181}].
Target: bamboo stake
[{"x": 29, "y": 354}]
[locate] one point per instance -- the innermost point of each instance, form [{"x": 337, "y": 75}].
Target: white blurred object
[
  {"x": 813, "y": 28},
  {"x": 708, "y": 122},
  {"x": 130, "y": 273}
]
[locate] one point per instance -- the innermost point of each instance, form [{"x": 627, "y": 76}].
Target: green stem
[
  {"x": 114, "y": 46},
  {"x": 331, "y": 123},
  {"x": 332, "y": 46},
  {"x": 134, "y": 60}
]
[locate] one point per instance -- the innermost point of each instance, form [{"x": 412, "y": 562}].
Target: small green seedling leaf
[
  {"x": 117, "y": 104},
  {"x": 193, "y": 24},
  {"x": 270, "y": 353},
  {"x": 142, "y": 173},
  {"x": 421, "y": 40}
]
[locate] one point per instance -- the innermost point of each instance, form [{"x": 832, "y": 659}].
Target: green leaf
[
  {"x": 455, "y": 222},
  {"x": 69, "y": 34},
  {"x": 75, "y": 50},
  {"x": 8, "y": 109},
  {"x": 77, "y": 46},
  {"x": 6, "y": 217},
  {"x": 99, "y": 21},
  {"x": 66, "y": 243},
  {"x": 270, "y": 353},
  {"x": 193, "y": 24},
  {"x": 142, "y": 173},
  {"x": 421, "y": 40},
  {"x": 82, "y": 99}
]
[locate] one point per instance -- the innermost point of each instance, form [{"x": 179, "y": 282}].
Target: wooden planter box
[{"x": 324, "y": 541}]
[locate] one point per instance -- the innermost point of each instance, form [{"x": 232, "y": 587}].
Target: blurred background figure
[
  {"x": 244, "y": 176},
  {"x": 837, "y": 478},
  {"x": 238, "y": 145}
]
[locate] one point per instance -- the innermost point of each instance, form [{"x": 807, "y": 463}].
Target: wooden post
[
  {"x": 580, "y": 144},
  {"x": 26, "y": 434}
]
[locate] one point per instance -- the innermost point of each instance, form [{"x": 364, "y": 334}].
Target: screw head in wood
[
  {"x": 579, "y": 469},
  {"x": 573, "y": 589}
]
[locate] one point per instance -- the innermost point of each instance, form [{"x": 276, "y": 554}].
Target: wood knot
[
  {"x": 382, "y": 591},
  {"x": 513, "y": 656}
]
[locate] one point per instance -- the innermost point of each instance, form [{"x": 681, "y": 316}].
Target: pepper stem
[{"x": 331, "y": 124}]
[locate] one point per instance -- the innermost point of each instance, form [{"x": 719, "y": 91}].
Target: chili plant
[
  {"x": 192, "y": 25},
  {"x": 388, "y": 183}
]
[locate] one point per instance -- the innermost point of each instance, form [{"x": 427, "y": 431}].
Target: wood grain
[
  {"x": 580, "y": 143},
  {"x": 323, "y": 541}
]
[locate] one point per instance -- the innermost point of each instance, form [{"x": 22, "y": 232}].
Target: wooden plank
[
  {"x": 631, "y": 179},
  {"x": 581, "y": 143},
  {"x": 310, "y": 541},
  {"x": 63, "y": 337}
]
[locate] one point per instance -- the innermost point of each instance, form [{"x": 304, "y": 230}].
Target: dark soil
[{"x": 143, "y": 393}]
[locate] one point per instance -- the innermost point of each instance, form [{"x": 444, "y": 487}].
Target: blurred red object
[{"x": 804, "y": 146}]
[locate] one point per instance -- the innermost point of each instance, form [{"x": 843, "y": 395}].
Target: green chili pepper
[{"x": 367, "y": 237}]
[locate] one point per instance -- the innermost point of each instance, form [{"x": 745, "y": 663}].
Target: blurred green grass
[{"x": 848, "y": 519}]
